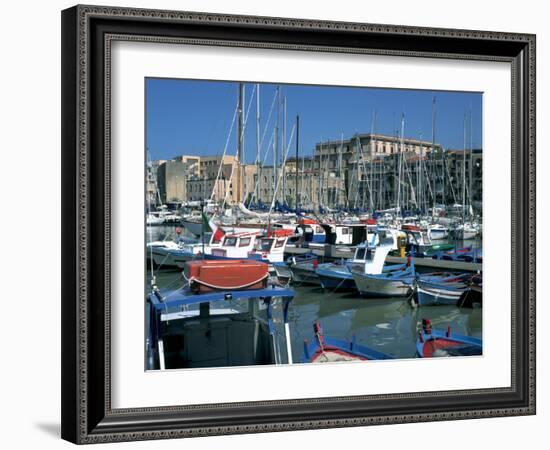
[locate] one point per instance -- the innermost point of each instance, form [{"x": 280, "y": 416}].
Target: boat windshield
[
  {"x": 280, "y": 243},
  {"x": 265, "y": 245},
  {"x": 230, "y": 242},
  {"x": 364, "y": 254},
  {"x": 244, "y": 242}
]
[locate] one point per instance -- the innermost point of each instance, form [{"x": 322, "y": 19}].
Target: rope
[
  {"x": 224, "y": 151},
  {"x": 221, "y": 288}
]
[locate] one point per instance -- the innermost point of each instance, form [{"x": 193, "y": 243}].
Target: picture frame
[{"x": 87, "y": 35}]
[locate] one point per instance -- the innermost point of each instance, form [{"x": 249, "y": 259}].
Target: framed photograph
[{"x": 282, "y": 224}]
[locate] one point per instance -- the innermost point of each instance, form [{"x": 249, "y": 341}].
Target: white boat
[
  {"x": 154, "y": 219},
  {"x": 392, "y": 283},
  {"x": 438, "y": 232},
  {"x": 465, "y": 231},
  {"x": 375, "y": 280},
  {"x": 270, "y": 248}
]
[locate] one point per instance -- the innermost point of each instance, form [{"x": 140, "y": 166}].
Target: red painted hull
[{"x": 212, "y": 275}]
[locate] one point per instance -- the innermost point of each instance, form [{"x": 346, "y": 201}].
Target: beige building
[
  {"x": 172, "y": 177},
  {"x": 222, "y": 182}
]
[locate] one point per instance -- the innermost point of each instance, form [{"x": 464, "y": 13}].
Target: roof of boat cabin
[{"x": 186, "y": 297}]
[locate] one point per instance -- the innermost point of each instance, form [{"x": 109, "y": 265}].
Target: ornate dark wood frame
[{"x": 87, "y": 32}]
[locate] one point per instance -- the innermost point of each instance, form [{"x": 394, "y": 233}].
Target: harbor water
[{"x": 389, "y": 325}]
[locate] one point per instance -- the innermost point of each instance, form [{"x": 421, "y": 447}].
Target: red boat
[
  {"x": 410, "y": 227},
  {"x": 219, "y": 275}
]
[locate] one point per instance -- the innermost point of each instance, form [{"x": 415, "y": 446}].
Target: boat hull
[
  {"x": 338, "y": 350},
  {"x": 374, "y": 286},
  {"x": 305, "y": 275},
  {"x": 437, "y": 235},
  {"x": 193, "y": 227},
  {"x": 430, "y": 295},
  {"x": 439, "y": 343},
  {"x": 335, "y": 278},
  {"x": 170, "y": 258},
  {"x": 282, "y": 270}
]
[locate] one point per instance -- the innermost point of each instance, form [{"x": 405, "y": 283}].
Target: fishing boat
[
  {"x": 437, "y": 232},
  {"x": 192, "y": 327},
  {"x": 440, "y": 288},
  {"x": 368, "y": 258},
  {"x": 303, "y": 270},
  {"x": 235, "y": 245},
  {"x": 309, "y": 231},
  {"x": 473, "y": 294},
  {"x": 336, "y": 275},
  {"x": 466, "y": 254},
  {"x": 439, "y": 343},
  {"x": 417, "y": 240},
  {"x": 390, "y": 283},
  {"x": 271, "y": 248},
  {"x": 327, "y": 349}
]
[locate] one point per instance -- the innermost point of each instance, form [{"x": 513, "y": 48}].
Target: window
[
  {"x": 244, "y": 242},
  {"x": 280, "y": 243},
  {"x": 230, "y": 242},
  {"x": 360, "y": 253},
  {"x": 345, "y": 231},
  {"x": 265, "y": 245}
]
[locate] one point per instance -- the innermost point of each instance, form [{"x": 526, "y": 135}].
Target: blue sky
[{"x": 194, "y": 117}]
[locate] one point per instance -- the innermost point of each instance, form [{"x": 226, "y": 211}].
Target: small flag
[{"x": 217, "y": 231}]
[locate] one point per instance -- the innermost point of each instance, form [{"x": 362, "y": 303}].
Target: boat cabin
[
  {"x": 270, "y": 248},
  {"x": 310, "y": 232},
  {"x": 347, "y": 234},
  {"x": 417, "y": 239},
  {"x": 218, "y": 329},
  {"x": 236, "y": 245},
  {"x": 370, "y": 256}
]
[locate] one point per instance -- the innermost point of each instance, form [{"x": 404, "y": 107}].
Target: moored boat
[
  {"x": 438, "y": 232},
  {"x": 369, "y": 258},
  {"x": 325, "y": 349},
  {"x": 440, "y": 288},
  {"x": 439, "y": 343},
  {"x": 191, "y": 328},
  {"x": 304, "y": 270},
  {"x": 390, "y": 283}
]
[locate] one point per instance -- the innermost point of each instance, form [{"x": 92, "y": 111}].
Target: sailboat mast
[
  {"x": 434, "y": 163},
  {"x": 283, "y": 168},
  {"x": 338, "y": 200},
  {"x": 464, "y": 172},
  {"x": 277, "y": 128},
  {"x": 258, "y": 157},
  {"x": 372, "y": 151},
  {"x": 297, "y": 161},
  {"x": 400, "y": 163},
  {"x": 470, "y": 167},
  {"x": 239, "y": 142}
]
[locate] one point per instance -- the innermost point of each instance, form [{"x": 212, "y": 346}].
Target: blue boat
[
  {"x": 369, "y": 258},
  {"x": 217, "y": 329},
  {"x": 327, "y": 349},
  {"x": 395, "y": 281},
  {"x": 440, "y": 288},
  {"x": 433, "y": 343},
  {"x": 466, "y": 254},
  {"x": 336, "y": 275}
]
